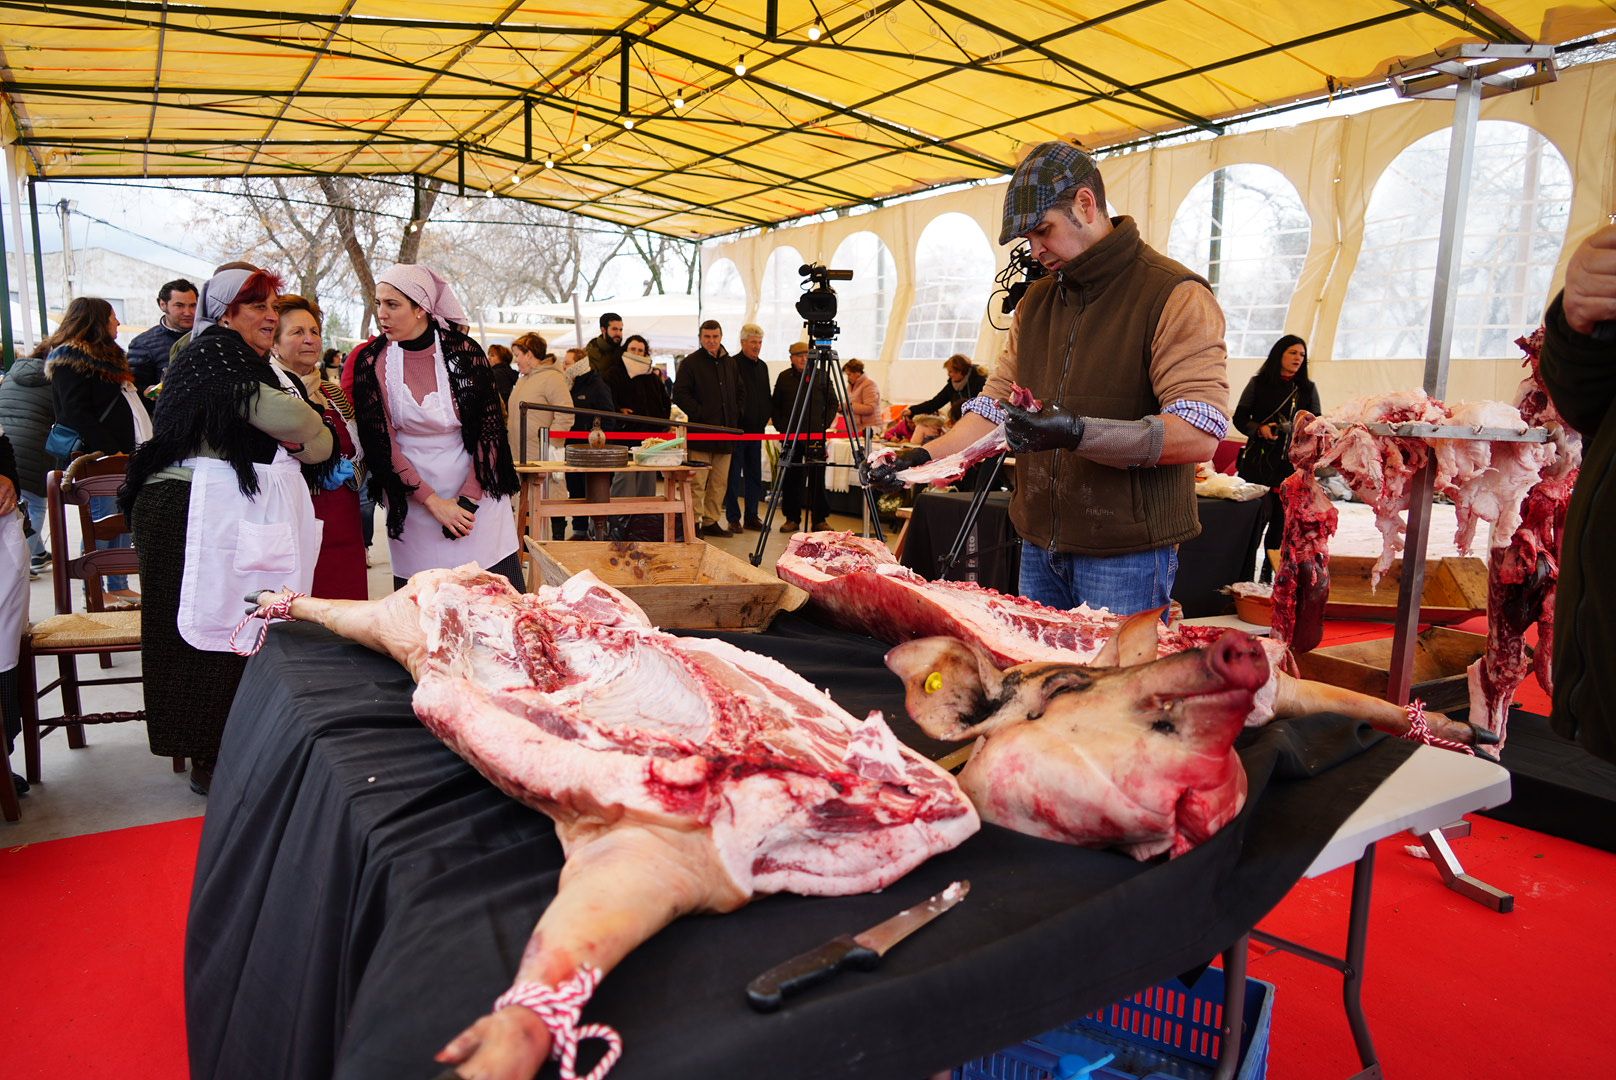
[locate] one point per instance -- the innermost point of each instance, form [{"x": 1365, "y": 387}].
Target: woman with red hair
[{"x": 220, "y": 507}]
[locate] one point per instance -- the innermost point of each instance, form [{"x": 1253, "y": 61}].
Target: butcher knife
[{"x": 862, "y": 951}]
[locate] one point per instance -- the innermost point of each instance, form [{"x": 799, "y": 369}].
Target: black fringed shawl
[
  {"x": 207, "y": 392},
  {"x": 482, "y": 428}
]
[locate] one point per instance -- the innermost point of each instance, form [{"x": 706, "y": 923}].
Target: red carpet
[{"x": 94, "y": 934}]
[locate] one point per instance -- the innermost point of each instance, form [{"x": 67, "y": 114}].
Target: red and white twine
[
  {"x": 280, "y": 609},
  {"x": 1419, "y": 730},
  {"x": 560, "y": 1008}
]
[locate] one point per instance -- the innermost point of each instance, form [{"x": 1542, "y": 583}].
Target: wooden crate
[
  {"x": 1455, "y": 590},
  {"x": 679, "y": 586},
  {"x": 1441, "y": 656}
]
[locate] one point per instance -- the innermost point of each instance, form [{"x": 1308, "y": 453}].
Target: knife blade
[{"x": 862, "y": 951}]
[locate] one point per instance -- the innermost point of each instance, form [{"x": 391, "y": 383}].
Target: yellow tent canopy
[{"x": 639, "y": 113}]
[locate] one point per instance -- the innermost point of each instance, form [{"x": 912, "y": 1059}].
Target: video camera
[
  {"x": 1030, "y": 270},
  {"x": 817, "y": 305}
]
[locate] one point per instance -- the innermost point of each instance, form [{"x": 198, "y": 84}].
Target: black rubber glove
[
  {"x": 884, "y": 478},
  {"x": 1051, "y": 429}
]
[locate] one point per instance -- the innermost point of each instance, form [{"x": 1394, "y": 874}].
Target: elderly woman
[
  {"x": 862, "y": 395},
  {"x": 339, "y": 574},
  {"x": 220, "y": 507},
  {"x": 965, "y": 381},
  {"x": 433, "y": 432}
]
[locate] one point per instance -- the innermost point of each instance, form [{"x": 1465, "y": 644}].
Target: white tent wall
[{"x": 1334, "y": 164}]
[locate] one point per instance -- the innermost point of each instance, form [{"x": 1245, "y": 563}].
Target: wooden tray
[
  {"x": 1455, "y": 590},
  {"x": 1440, "y": 658},
  {"x": 680, "y": 586}
]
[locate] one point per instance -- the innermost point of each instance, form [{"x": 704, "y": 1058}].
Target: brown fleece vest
[{"x": 1085, "y": 342}]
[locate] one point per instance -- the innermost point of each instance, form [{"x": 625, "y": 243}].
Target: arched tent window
[
  {"x": 777, "y": 304},
  {"x": 953, "y": 277},
  {"x": 723, "y": 295},
  {"x": 864, "y": 304},
  {"x": 1244, "y": 228},
  {"x": 1515, "y": 222}
]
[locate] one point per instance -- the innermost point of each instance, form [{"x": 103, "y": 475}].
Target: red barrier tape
[{"x": 703, "y": 436}]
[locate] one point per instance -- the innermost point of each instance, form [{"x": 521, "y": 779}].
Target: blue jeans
[
  {"x": 105, "y": 506},
  {"x": 1123, "y": 583},
  {"x": 745, "y": 467},
  {"x": 36, "y": 518}
]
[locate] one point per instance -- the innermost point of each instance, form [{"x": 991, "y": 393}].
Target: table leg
[
  {"x": 1234, "y": 1009},
  {"x": 1454, "y": 877},
  {"x": 1351, "y": 967}
]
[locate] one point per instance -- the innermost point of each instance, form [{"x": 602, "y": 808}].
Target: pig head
[{"x": 1138, "y": 757}]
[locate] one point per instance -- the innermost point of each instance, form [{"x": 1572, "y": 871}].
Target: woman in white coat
[
  {"x": 433, "y": 432},
  {"x": 219, "y": 500}
]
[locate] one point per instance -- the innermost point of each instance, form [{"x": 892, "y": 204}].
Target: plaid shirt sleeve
[
  {"x": 986, "y": 407},
  {"x": 1198, "y": 414}
]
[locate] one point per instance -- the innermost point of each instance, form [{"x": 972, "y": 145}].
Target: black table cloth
[
  {"x": 361, "y": 894},
  {"x": 1225, "y": 552}
]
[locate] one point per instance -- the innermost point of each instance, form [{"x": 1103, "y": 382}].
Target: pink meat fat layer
[{"x": 572, "y": 703}]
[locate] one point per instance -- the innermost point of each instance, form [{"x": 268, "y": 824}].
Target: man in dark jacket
[
  {"x": 803, "y": 460},
  {"x": 708, "y": 390},
  {"x": 746, "y": 464},
  {"x": 606, "y": 351},
  {"x": 148, "y": 353},
  {"x": 1579, "y": 371},
  {"x": 27, "y": 412}
]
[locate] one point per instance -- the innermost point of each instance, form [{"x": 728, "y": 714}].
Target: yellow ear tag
[{"x": 934, "y": 682}]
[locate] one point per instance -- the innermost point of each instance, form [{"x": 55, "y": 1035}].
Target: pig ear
[
  {"x": 1134, "y": 642},
  {"x": 950, "y": 687}
]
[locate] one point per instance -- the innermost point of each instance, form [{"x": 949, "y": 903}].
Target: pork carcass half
[
  {"x": 683, "y": 775},
  {"x": 1140, "y": 758},
  {"x": 858, "y": 583}
]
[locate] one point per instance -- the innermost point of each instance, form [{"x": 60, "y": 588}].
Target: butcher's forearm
[
  {"x": 1184, "y": 443},
  {"x": 970, "y": 428}
]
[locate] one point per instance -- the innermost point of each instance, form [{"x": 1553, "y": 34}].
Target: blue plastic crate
[{"x": 1169, "y": 1032}]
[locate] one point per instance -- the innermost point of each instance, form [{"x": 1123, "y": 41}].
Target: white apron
[
  {"x": 428, "y": 433},
  {"x": 13, "y": 588},
  {"x": 234, "y": 544}
]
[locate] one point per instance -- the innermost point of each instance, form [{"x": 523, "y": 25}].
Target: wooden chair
[{"x": 69, "y": 634}]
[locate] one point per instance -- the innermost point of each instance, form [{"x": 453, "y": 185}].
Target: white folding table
[{"x": 1428, "y": 791}]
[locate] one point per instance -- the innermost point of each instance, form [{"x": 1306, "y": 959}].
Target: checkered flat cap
[{"x": 1048, "y": 169}]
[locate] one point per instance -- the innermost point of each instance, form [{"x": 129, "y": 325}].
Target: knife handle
[{"x": 770, "y": 989}]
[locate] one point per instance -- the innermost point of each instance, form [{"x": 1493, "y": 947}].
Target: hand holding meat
[
  {"x": 1590, "y": 287},
  {"x": 881, "y": 470},
  {"x": 1051, "y": 428}
]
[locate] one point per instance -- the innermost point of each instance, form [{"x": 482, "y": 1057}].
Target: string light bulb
[
  {"x": 588, "y": 145},
  {"x": 678, "y": 101},
  {"x": 740, "y": 66},
  {"x": 549, "y": 163},
  {"x": 814, "y": 32},
  {"x": 628, "y": 123}
]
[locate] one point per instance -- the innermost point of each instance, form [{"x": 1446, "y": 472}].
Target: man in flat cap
[{"x": 1124, "y": 348}]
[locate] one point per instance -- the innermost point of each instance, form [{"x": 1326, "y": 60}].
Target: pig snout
[{"x": 1238, "y": 660}]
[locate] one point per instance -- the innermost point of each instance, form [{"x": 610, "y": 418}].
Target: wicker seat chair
[{"x": 69, "y": 634}]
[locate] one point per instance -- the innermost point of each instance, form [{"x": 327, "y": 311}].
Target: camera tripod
[{"x": 821, "y": 364}]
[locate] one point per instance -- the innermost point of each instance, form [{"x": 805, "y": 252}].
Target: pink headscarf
[{"x": 427, "y": 290}]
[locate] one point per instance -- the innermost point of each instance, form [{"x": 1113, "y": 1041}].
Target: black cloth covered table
[
  {"x": 1222, "y": 554},
  {"x": 361, "y": 894},
  {"x": 992, "y": 553}
]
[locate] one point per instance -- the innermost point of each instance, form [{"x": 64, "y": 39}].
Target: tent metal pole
[
  {"x": 39, "y": 258},
  {"x": 8, "y": 351}
]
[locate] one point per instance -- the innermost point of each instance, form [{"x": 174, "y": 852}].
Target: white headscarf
[
  {"x": 217, "y": 293},
  {"x": 426, "y": 290}
]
